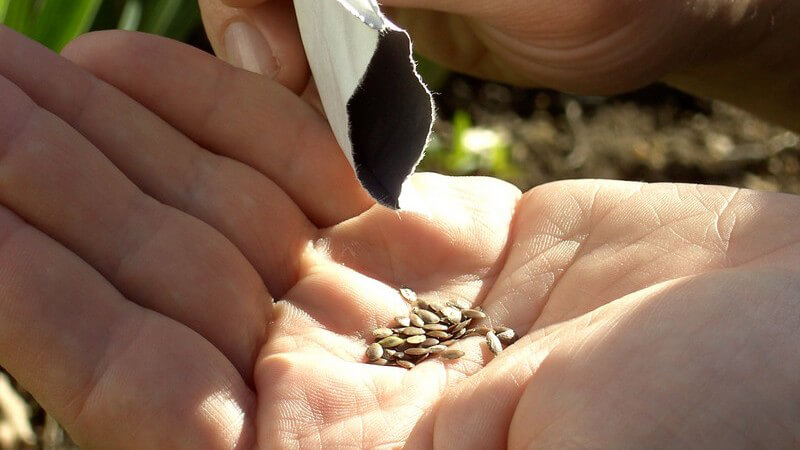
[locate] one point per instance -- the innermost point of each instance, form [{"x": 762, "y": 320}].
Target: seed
[
  {"x": 427, "y": 342},
  {"x": 452, "y": 314},
  {"x": 422, "y": 304},
  {"x": 459, "y": 334},
  {"x": 399, "y": 355},
  {"x": 405, "y": 364},
  {"x": 380, "y": 362},
  {"x": 403, "y": 321},
  {"x": 414, "y": 340},
  {"x": 413, "y": 331},
  {"x": 374, "y": 352},
  {"x": 422, "y": 358},
  {"x": 389, "y": 352},
  {"x": 482, "y": 330},
  {"x": 494, "y": 344},
  {"x": 459, "y": 303},
  {"x": 408, "y": 294},
  {"x": 507, "y": 336},
  {"x": 437, "y": 349},
  {"x": 452, "y": 353},
  {"x": 380, "y": 333},
  {"x": 416, "y": 320},
  {"x": 428, "y": 316},
  {"x": 438, "y": 334},
  {"x": 434, "y": 327},
  {"x": 435, "y": 307},
  {"x": 461, "y": 326},
  {"x": 473, "y": 314},
  {"x": 417, "y": 351},
  {"x": 391, "y": 341},
  {"x": 449, "y": 342}
]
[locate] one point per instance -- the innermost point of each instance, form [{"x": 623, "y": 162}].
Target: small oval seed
[
  {"x": 414, "y": 340},
  {"x": 452, "y": 314},
  {"x": 461, "y": 325},
  {"x": 449, "y": 342},
  {"x": 391, "y": 341},
  {"x": 374, "y": 352},
  {"x": 452, "y": 353},
  {"x": 473, "y": 314},
  {"x": 507, "y": 336},
  {"x": 380, "y": 333},
  {"x": 438, "y": 334},
  {"x": 380, "y": 362},
  {"x": 435, "y": 327},
  {"x": 416, "y": 320},
  {"x": 494, "y": 344},
  {"x": 460, "y": 333},
  {"x": 408, "y": 294},
  {"x": 422, "y": 304},
  {"x": 428, "y": 342},
  {"x": 428, "y": 316},
  {"x": 403, "y": 321},
  {"x": 389, "y": 352},
  {"x": 437, "y": 349},
  {"x": 405, "y": 364},
  {"x": 417, "y": 351},
  {"x": 413, "y": 331}
]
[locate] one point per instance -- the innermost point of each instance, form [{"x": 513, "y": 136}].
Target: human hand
[
  {"x": 140, "y": 316},
  {"x": 741, "y": 52}
]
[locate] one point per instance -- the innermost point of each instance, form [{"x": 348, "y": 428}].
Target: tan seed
[
  {"x": 460, "y": 333},
  {"x": 428, "y": 316},
  {"x": 417, "y": 351},
  {"x": 428, "y": 342},
  {"x": 434, "y": 327},
  {"x": 507, "y": 336},
  {"x": 380, "y": 362},
  {"x": 459, "y": 303},
  {"x": 380, "y": 333},
  {"x": 422, "y": 358},
  {"x": 438, "y": 334},
  {"x": 437, "y": 349},
  {"x": 452, "y": 314},
  {"x": 414, "y": 340},
  {"x": 399, "y": 355},
  {"x": 416, "y": 320},
  {"x": 452, "y": 353},
  {"x": 391, "y": 341},
  {"x": 389, "y": 352},
  {"x": 494, "y": 344},
  {"x": 422, "y": 304},
  {"x": 461, "y": 325},
  {"x": 413, "y": 331},
  {"x": 408, "y": 294},
  {"x": 405, "y": 364},
  {"x": 374, "y": 352},
  {"x": 403, "y": 321},
  {"x": 435, "y": 307},
  {"x": 449, "y": 342},
  {"x": 473, "y": 314}
]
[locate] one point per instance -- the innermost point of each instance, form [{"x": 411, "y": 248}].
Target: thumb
[{"x": 259, "y": 36}]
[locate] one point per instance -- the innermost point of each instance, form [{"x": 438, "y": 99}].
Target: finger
[
  {"x": 235, "y": 199},
  {"x": 95, "y": 360},
  {"x": 157, "y": 256},
  {"x": 235, "y": 114},
  {"x": 263, "y": 39}
]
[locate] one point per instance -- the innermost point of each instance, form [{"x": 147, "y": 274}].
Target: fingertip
[{"x": 258, "y": 36}]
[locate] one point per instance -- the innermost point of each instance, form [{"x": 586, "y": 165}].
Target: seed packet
[{"x": 375, "y": 101}]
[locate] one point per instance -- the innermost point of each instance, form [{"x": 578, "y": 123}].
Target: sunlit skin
[{"x": 146, "y": 228}]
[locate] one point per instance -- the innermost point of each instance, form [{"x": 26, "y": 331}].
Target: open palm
[{"x": 146, "y": 229}]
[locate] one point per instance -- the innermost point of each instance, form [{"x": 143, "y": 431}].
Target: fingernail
[{"x": 246, "y": 48}]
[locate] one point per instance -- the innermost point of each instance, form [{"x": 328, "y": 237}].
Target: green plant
[{"x": 56, "y": 22}]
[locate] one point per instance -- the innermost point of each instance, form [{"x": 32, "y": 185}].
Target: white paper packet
[{"x": 377, "y": 105}]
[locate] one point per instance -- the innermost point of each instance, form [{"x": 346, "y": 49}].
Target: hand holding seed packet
[{"x": 172, "y": 277}]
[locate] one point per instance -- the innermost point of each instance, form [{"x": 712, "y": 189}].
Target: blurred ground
[
  {"x": 655, "y": 134},
  {"x": 532, "y": 137}
]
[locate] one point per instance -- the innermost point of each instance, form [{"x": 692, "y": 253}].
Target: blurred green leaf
[
  {"x": 18, "y": 14},
  {"x": 131, "y": 16},
  {"x": 3, "y": 10},
  {"x": 57, "y": 21},
  {"x": 172, "y": 18}
]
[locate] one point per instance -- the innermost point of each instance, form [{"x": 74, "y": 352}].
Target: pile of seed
[{"x": 429, "y": 330}]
